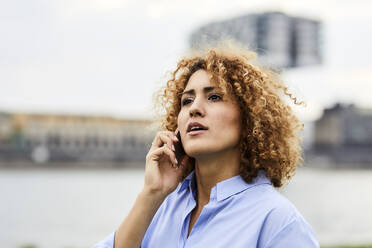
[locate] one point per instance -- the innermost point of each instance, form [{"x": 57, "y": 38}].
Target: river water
[{"x": 56, "y": 208}]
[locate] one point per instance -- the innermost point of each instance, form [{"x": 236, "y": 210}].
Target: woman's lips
[
  {"x": 195, "y": 125},
  {"x": 196, "y": 132}
]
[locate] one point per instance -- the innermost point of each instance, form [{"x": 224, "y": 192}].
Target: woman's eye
[
  {"x": 215, "y": 97},
  {"x": 186, "y": 101}
]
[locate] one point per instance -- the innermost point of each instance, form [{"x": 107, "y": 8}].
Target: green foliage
[
  {"x": 346, "y": 246},
  {"x": 28, "y": 246}
]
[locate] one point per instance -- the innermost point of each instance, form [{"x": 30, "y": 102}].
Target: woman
[{"x": 241, "y": 140}]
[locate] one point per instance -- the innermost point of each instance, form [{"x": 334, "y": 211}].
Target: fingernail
[
  {"x": 176, "y": 161},
  {"x": 175, "y": 138},
  {"x": 174, "y": 149}
]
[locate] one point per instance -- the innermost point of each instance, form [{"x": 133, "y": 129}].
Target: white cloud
[
  {"x": 91, "y": 7},
  {"x": 107, "y": 55}
]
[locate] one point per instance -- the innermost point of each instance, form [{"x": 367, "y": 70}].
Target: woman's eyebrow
[{"x": 192, "y": 91}]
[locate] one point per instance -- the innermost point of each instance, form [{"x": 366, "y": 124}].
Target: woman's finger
[
  {"x": 162, "y": 138},
  {"x": 158, "y": 153},
  {"x": 172, "y": 135}
]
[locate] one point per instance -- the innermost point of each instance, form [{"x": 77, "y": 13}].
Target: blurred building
[
  {"x": 280, "y": 40},
  {"x": 344, "y": 135},
  {"x": 71, "y": 138}
]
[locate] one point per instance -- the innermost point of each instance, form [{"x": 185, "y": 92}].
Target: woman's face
[{"x": 209, "y": 121}]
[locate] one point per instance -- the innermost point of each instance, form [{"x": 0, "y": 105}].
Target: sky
[{"x": 107, "y": 57}]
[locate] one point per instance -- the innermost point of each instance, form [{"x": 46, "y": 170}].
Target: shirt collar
[
  {"x": 187, "y": 181},
  {"x": 228, "y": 187}
]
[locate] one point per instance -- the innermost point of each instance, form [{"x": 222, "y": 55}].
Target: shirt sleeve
[
  {"x": 296, "y": 234},
  {"x": 108, "y": 242}
]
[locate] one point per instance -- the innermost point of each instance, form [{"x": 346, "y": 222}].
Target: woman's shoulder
[
  {"x": 275, "y": 205},
  {"x": 281, "y": 210},
  {"x": 281, "y": 220}
]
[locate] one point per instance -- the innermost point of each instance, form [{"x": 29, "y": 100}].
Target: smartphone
[{"x": 180, "y": 152}]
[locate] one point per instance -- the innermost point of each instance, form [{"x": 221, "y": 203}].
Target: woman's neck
[{"x": 213, "y": 168}]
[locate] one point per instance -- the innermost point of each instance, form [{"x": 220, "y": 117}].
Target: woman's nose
[
  {"x": 195, "y": 112},
  {"x": 196, "y": 109}
]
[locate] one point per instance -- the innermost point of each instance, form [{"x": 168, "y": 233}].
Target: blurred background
[{"x": 76, "y": 85}]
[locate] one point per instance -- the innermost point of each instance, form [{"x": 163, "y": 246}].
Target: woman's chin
[{"x": 196, "y": 152}]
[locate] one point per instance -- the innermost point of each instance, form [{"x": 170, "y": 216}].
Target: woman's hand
[
  {"x": 162, "y": 176},
  {"x": 163, "y": 171}
]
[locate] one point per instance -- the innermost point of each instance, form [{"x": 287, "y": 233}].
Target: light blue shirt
[{"x": 239, "y": 214}]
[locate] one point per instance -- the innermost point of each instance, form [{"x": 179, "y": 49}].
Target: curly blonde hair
[{"x": 270, "y": 131}]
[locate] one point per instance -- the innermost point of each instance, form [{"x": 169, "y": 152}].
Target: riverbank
[{"x": 22, "y": 165}]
